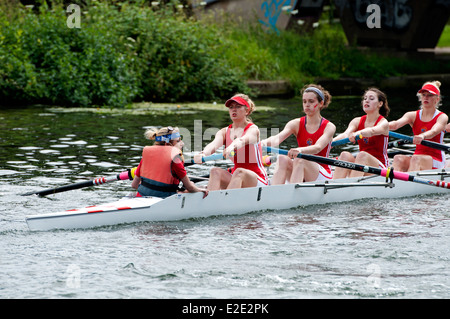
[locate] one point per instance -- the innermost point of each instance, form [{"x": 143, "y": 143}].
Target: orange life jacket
[{"x": 156, "y": 164}]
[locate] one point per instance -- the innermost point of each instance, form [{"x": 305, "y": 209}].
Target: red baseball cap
[
  {"x": 431, "y": 88},
  {"x": 238, "y": 100}
]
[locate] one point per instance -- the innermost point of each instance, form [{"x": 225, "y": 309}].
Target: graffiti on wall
[
  {"x": 395, "y": 14},
  {"x": 272, "y": 10}
]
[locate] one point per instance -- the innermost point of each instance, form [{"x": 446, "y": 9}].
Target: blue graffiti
[{"x": 272, "y": 10}]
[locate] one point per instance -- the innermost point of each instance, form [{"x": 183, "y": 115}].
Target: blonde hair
[
  {"x": 326, "y": 95},
  {"x": 436, "y": 84},
  {"x": 153, "y": 132}
]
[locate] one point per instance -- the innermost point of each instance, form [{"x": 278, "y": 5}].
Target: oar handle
[
  {"x": 431, "y": 144},
  {"x": 213, "y": 157},
  {"x": 345, "y": 140}
]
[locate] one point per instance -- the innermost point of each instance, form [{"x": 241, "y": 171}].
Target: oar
[
  {"x": 431, "y": 144},
  {"x": 345, "y": 140},
  {"x": 213, "y": 157},
  {"x": 390, "y": 144},
  {"x": 366, "y": 169},
  {"x": 128, "y": 174}
]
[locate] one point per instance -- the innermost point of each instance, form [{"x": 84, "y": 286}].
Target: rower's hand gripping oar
[
  {"x": 128, "y": 174},
  {"x": 367, "y": 169},
  {"x": 345, "y": 140},
  {"x": 431, "y": 144}
]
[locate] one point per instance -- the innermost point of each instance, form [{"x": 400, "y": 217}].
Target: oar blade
[
  {"x": 65, "y": 188},
  {"x": 128, "y": 174}
]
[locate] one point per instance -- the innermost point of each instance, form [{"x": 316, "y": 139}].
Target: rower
[
  {"x": 371, "y": 131},
  {"x": 314, "y": 134},
  {"x": 242, "y": 145},
  {"x": 427, "y": 123}
]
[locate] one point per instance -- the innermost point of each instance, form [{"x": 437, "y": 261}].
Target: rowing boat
[{"x": 237, "y": 201}]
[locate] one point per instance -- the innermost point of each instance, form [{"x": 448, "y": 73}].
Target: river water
[{"x": 365, "y": 249}]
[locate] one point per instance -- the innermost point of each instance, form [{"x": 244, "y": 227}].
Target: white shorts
[
  {"x": 260, "y": 183},
  {"x": 381, "y": 165},
  {"x": 438, "y": 164},
  {"x": 324, "y": 175}
]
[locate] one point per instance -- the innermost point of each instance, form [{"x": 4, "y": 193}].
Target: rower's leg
[
  {"x": 304, "y": 171},
  {"x": 243, "y": 178},
  {"x": 218, "y": 179},
  {"x": 366, "y": 159},
  {"x": 401, "y": 163},
  {"x": 283, "y": 170},
  {"x": 340, "y": 172},
  {"x": 420, "y": 162}
]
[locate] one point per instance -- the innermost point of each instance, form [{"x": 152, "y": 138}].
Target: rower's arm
[
  {"x": 352, "y": 127},
  {"x": 437, "y": 128},
  {"x": 407, "y": 118},
  {"x": 382, "y": 128},
  {"x": 192, "y": 188},
  {"x": 215, "y": 144},
  {"x": 250, "y": 137},
  {"x": 275, "y": 140}
]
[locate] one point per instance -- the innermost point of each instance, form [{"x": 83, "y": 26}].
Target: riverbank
[
  {"x": 351, "y": 86},
  {"x": 356, "y": 85},
  {"x": 400, "y": 84}
]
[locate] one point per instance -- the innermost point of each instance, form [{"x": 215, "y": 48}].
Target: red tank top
[
  {"x": 374, "y": 145},
  {"x": 248, "y": 157},
  {"x": 304, "y": 138},
  {"x": 419, "y": 127}
]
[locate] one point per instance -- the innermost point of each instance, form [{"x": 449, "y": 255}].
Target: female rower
[
  {"x": 372, "y": 131},
  {"x": 427, "y": 124},
  {"x": 314, "y": 134},
  {"x": 162, "y": 166},
  {"x": 241, "y": 140}
]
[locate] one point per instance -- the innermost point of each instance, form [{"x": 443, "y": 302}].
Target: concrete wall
[{"x": 271, "y": 14}]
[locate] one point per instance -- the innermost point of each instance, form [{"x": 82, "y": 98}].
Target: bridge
[{"x": 401, "y": 24}]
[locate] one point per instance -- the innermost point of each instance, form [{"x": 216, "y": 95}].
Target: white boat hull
[{"x": 228, "y": 202}]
